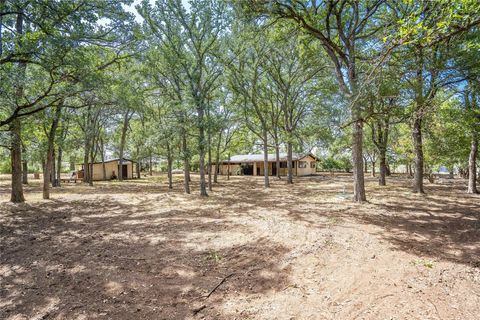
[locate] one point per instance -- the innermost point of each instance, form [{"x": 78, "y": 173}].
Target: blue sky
[{"x": 132, "y": 9}]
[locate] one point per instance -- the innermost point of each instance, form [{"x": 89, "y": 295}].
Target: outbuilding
[
  {"x": 253, "y": 164},
  {"x": 112, "y": 169}
]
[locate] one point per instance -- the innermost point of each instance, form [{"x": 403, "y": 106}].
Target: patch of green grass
[
  {"x": 214, "y": 255},
  {"x": 426, "y": 263}
]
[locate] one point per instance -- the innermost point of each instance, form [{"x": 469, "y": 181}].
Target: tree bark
[
  {"x": 186, "y": 163},
  {"x": 365, "y": 165},
  {"x": 47, "y": 171},
  {"x": 373, "y": 168},
  {"x": 16, "y": 159},
  {"x": 24, "y": 171},
  {"x": 209, "y": 160},
  {"x": 472, "y": 167},
  {"x": 217, "y": 158},
  {"x": 418, "y": 149},
  {"x": 265, "y": 157},
  {"x": 150, "y": 164},
  {"x": 382, "y": 180},
  {"x": 228, "y": 167},
  {"x": 201, "y": 150},
  {"x": 59, "y": 167},
  {"x": 169, "y": 166},
  {"x": 24, "y": 167},
  {"x": 16, "y": 126},
  {"x": 357, "y": 158},
  {"x": 289, "y": 163},
  {"x": 102, "y": 153},
  {"x": 123, "y": 138},
  {"x": 277, "y": 158}
]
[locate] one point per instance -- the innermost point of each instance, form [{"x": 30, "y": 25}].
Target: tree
[{"x": 193, "y": 39}]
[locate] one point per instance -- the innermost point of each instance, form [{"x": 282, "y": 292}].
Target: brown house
[
  {"x": 112, "y": 169},
  {"x": 252, "y": 164}
]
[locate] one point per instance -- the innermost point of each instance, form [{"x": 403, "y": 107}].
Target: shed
[{"x": 112, "y": 169}]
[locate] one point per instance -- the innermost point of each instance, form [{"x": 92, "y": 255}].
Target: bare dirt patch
[{"x": 136, "y": 250}]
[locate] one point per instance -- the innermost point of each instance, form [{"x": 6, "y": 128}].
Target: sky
[{"x": 138, "y": 18}]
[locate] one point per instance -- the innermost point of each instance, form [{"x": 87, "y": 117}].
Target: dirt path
[{"x": 138, "y": 251}]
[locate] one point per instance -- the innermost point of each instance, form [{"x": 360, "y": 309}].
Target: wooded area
[{"x": 383, "y": 96}]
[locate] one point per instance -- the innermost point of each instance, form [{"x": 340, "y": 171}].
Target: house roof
[
  {"x": 271, "y": 157},
  {"x": 113, "y": 160}
]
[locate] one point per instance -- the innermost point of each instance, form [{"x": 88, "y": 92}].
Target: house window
[
  {"x": 302, "y": 164},
  {"x": 312, "y": 164},
  {"x": 284, "y": 164}
]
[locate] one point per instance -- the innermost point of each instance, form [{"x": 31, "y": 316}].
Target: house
[
  {"x": 112, "y": 169},
  {"x": 252, "y": 164}
]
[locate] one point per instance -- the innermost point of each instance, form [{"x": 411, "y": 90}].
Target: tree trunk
[
  {"x": 289, "y": 163},
  {"x": 382, "y": 181},
  {"x": 228, "y": 167},
  {"x": 373, "y": 168},
  {"x": 102, "y": 154},
  {"x": 186, "y": 163},
  {"x": 58, "y": 178},
  {"x": 16, "y": 127},
  {"x": 217, "y": 158},
  {"x": 277, "y": 157},
  {"x": 24, "y": 171},
  {"x": 265, "y": 158},
  {"x": 201, "y": 150},
  {"x": 169, "y": 166},
  {"x": 16, "y": 158},
  {"x": 24, "y": 167},
  {"x": 126, "y": 119},
  {"x": 47, "y": 171},
  {"x": 209, "y": 160},
  {"x": 150, "y": 164},
  {"x": 357, "y": 158},
  {"x": 418, "y": 149},
  {"x": 53, "y": 172},
  {"x": 365, "y": 165},
  {"x": 86, "y": 167},
  {"x": 472, "y": 167}
]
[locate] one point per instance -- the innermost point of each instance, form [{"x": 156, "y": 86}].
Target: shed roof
[{"x": 242, "y": 158}]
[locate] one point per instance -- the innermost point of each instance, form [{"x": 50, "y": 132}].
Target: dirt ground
[{"x": 135, "y": 250}]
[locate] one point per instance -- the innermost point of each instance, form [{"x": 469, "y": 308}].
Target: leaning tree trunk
[
  {"x": 47, "y": 171},
  {"x": 418, "y": 149},
  {"x": 16, "y": 158},
  {"x": 472, "y": 167},
  {"x": 357, "y": 158},
  {"x": 265, "y": 158}
]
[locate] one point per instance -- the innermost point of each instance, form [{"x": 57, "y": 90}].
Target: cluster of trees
[{"x": 363, "y": 83}]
